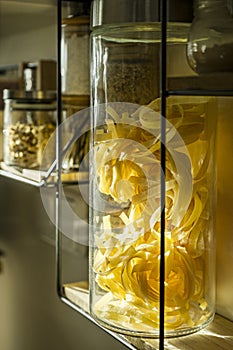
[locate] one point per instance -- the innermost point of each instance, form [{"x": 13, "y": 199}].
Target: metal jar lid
[{"x": 29, "y": 96}]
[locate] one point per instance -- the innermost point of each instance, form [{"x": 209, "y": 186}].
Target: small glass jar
[
  {"x": 210, "y": 44},
  {"x": 125, "y": 182},
  {"x": 29, "y": 121},
  {"x": 75, "y": 65}
]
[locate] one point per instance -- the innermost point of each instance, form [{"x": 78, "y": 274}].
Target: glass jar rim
[{"x": 121, "y": 11}]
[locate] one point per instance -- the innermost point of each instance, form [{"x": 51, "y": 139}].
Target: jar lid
[{"x": 29, "y": 95}]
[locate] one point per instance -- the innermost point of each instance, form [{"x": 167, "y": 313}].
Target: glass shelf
[
  {"x": 31, "y": 177},
  {"x": 30, "y": 2},
  {"x": 204, "y": 85},
  {"x": 39, "y": 178}
]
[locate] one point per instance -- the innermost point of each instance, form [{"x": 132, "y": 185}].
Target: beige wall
[{"x": 27, "y": 32}]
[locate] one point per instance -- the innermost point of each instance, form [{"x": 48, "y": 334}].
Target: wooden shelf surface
[{"x": 217, "y": 336}]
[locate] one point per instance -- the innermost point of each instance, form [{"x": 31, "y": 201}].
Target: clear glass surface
[{"x": 125, "y": 185}]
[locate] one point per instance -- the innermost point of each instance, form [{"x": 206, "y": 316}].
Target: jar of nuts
[{"x": 29, "y": 121}]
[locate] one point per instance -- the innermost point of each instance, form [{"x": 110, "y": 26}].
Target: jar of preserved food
[
  {"x": 210, "y": 44},
  {"x": 75, "y": 78},
  {"x": 126, "y": 182},
  {"x": 75, "y": 65},
  {"x": 29, "y": 121}
]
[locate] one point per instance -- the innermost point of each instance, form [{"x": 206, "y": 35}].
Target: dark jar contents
[{"x": 131, "y": 72}]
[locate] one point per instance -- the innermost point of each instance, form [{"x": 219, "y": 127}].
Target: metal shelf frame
[
  {"x": 47, "y": 179},
  {"x": 164, "y": 93},
  {"x": 220, "y": 93},
  {"x": 22, "y": 179}
]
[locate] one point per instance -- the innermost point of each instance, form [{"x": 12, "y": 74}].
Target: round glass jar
[
  {"x": 125, "y": 186},
  {"x": 29, "y": 121},
  {"x": 210, "y": 44}
]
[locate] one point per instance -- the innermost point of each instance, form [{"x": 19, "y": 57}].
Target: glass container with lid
[
  {"x": 126, "y": 181},
  {"x": 75, "y": 47},
  {"x": 29, "y": 121},
  {"x": 75, "y": 75}
]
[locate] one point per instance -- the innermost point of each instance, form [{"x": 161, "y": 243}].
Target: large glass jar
[
  {"x": 210, "y": 45},
  {"x": 29, "y": 121},
  {"x": 125, "y": 185}
]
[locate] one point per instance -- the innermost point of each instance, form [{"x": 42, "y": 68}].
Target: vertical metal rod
[
  {"x": 163, "y": 80},
  {"x": 159, "y": 11},
  {"x": 58, "y": 151}
]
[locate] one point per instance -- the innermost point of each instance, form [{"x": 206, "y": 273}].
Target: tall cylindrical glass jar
[
  {"x": 75, "y": 47},
  {"x": 210, "y": 45},
  {"x": 125, "y": 183},
  {"x": 75, "y": 74}
]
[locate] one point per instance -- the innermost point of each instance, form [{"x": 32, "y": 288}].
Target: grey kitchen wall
[{"x": 31, "y": 315}]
